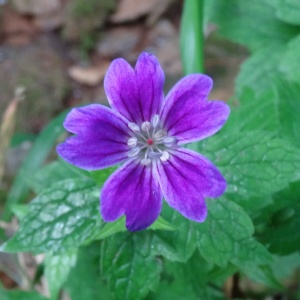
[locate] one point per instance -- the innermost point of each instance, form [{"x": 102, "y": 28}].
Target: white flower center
[{"x": 150, "y": 141}]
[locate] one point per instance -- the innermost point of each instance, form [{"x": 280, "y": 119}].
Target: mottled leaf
[{"x": 62, "y": 217}]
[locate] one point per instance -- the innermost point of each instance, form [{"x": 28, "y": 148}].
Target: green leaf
[
  {"x": 19, "y": 210},
  {"x": 192, "y": 37},
  {"x": 276, "y": 110},
  {"x": 251, "y": 112},
  {"x": 288, "y": 109},
  {"x": 57, "y": 268},
  {"x": 253, "y": 24},
  {"x": 128, "y": 266},
  {"x": 282, "y": 233},
  {"x": 255, "y": 71},
  {"x": 36, "y": 156},
  {"x": 288, "y": 10},
  {"x": 254, "y": 164},
  {"x": 62, "y": 217},
  {"x": 184, "y": 280},
  {"x": 19, "y": 295},
  {"x": 289, "y": 63},
  {"x": 261, "y": 274},
  {"x": 180, "y": 244},
  {"x": 84, "y": 282},
  {"x": 55, "y": 172},
  {"x": 226, "y": 235},
  {"x": 100, "y": 176}
]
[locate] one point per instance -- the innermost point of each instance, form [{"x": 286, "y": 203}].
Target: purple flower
[{"x": 146, "y": 131}]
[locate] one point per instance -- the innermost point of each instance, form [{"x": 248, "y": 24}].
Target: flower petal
[
  {"x": 131, "y": 190},
  {"x": 101, "y": 139},
  {"x": 136, "y": 94},
  {"x": 150, "y": 80},
  {"x": 121, "y": 89},
  {"x": 186, "y": 179},
  {"x": 188, "y": 115}
]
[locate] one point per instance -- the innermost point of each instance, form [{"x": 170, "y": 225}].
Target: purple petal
[
  {"x": 101, "y": 139},
  {"x": 186, "y": 179},
  {"x": 131, "y": 190},
  {"x": 150, "y": 80},
  {"x": 188, "y": 115},
  {"x": 136, "y": 94},
  {"x": 121, "y": 89}
]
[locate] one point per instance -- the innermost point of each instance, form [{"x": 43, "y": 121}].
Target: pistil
[{"x": 150, "y": 141}]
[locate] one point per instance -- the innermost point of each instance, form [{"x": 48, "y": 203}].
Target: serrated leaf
[
  {"x": 263, "y": 116},
  {"x": 221, "y": 235},
  {"x": 57, "y": 268},
  {"x": 255, "y": 71},
  {"x": 253, "y": 163},
  {"x": 128, "y": 266},
  {"x": 276, "y": 110},
  {"x": 253, "y": 24},
  {"x": 62, "y": 217}
]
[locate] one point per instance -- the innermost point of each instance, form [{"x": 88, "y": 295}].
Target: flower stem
[{"x": 192, "y": 37}]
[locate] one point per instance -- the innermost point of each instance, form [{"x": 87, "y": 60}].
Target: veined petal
[
  {"x": 186, "y": 179},
  {"x": 121, "y": 89},
  {"x": 136, "y": 94},
  {"x": 101, "y": 139},
  {"x": 150, "y": 79},
  {"x": 188, "y": 115},
  {"x": 131, "y": 190}
]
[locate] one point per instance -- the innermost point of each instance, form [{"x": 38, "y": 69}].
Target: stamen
[
  {"x": 132, "y": 142},
  {"x": 165, "y": 156},
  {"x": 159, "y": 135},
  {"x": 153, "y": 154},
  {"x": 146, "y": 126},
  {"x": 169, "y": 141},
  {"x": 134, "y": 152},
  {"x": 146, "y": 161},
  {"x": 133, "y": 126},
  {"x": 155, "y": 121}
]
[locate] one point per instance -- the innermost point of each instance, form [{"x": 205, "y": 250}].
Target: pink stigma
[{"x": 150, "y": 142}]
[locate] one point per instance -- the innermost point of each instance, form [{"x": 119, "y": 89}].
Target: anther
[
  {"x": 165, "y": 156},
  {"x": 155, "y": 121},
  {"x": 153, "y": 154},
  {"x": 133, "y": 126},
  {"x": 159, "y": 135},
  {"x": 169, "y": 141},
  {"x": 132, "y": 142},
  {"x": 146, "y": 126},
  {"x": 146, "y": 161},
  {"x": 134, "y": 152}
]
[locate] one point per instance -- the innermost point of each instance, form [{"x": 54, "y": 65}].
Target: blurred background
[
  {"x": 54, "y": 55},
  {"x": 59, "y": 50}
]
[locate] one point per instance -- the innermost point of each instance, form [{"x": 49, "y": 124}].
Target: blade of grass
[
  {"x": 35, "y": 158},
  {"x": 192, "y": 37}
]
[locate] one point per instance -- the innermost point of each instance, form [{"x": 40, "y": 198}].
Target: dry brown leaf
[
  {"x": 129, "y": 10},
  {"x": 89, "y": 76}
]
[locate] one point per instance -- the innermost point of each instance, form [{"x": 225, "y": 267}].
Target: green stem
[{"x": 192, "y": 37}]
